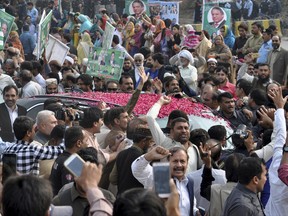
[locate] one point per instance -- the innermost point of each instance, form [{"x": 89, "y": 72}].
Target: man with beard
[
  {"x": 278, "y": 61},
  {"x": 51, "y": 86},
  {"x": 228, "y": 112},
  {"x": 138, "y": 65},
  {"x": 9, "y": 111},
  {"x": 222, "y": 77},
  {"x": 187, "y": 71},
  {"x": 178, "y": 162},
  {"x": 122, "y": 173},
  {"x": 158, "y": 65},
  {"x": 254, "y": 43},
  {"x": 149, "y": 67},
  {"x": 127, "y": 65},
  {"x": 178, "y": 136},
  {"x": 171, "y": 87},
  {"x": 85, "y": 83},
  {"x": 263, "y": 78},
  {"x": 211, "y": 66}
]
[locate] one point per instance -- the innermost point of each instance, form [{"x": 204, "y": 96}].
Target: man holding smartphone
[{"x": 178, "y": 160}]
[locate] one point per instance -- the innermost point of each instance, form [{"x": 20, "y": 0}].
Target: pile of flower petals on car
[{"x": 146, "y": 101}]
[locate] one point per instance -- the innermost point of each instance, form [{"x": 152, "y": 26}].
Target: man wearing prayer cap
[{"x": 187, "y": 71}]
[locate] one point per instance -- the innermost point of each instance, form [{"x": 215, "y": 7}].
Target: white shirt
[
  {"x": 190, "y": 76},
  {"x": 143, "y": 172},
  {"x": 242, "y": 73},
  {"x": 119, "y": 35},
  {"x": 220, "y": 178},
  {"x": 121, "y": 48},
  {"x": 278, "y": 201},
  {"x": 13, "y": 114},
  {"x": 248, "y": 5},
  {"x": 184, "y": 200},
  {"x": 31, "y": 89},
  {"x": 40, "y": 80},
  {"x": 161, "y": 139}
]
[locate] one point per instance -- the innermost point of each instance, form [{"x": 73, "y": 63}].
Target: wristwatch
[{"x": 285, "y": 148}]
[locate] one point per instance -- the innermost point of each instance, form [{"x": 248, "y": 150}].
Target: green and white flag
[
  {"x": 6, "y": 21},
  {"x": 43, "y": 33},
  {"x": 108, "y": 36},
  {"x": 1, "y": 39}
]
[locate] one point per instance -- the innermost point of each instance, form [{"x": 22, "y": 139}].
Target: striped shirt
[{"x": 28, "y": 155}]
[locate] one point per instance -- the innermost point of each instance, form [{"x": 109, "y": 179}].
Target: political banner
[
  {"x": 105, "y": 63},
  {"x": 108, "y": 36},
  {"x": 56, "y": 50},
  {"x": 136, "y": 7},
  {"x": 6, "y": 21},
  {"x": 215, "y": 1},
  {"x": 43, "y": 33},
  {"x": 214, "y": 18},
  {"x": 154, "y": 8},
  {"x": 170, "y": 10}
]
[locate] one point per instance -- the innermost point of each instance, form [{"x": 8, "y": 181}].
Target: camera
[
  {"x": 62, "y": 113},
  {"x": 242, "y": 131}
]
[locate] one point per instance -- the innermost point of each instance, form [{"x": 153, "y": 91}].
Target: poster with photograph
[
  {"x": 43, "y": 34},
  {"x": 214, "y": 18},
  {"x": 154, "y": 8},
  {"x": 56, "y": 50},
  {"x": 6, "y": 22},
  {"x": 105, "y": 63},
  {"x": 136, "y": 7},
  {"x": 108, "y": 36},
  {"x": 170, "y": 10},
  {"x": 216, "y": 1}
]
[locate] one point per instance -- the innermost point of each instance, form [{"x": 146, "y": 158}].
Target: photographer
[
  {"x": 65, "y": 114},
  {"x": 243, "y": 142}
]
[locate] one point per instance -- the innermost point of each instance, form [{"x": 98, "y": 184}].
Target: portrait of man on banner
[
  {"x": 214, "y": 17},
  {"x": 137, "y": 7},
  {"x": 217, "y": 17}
]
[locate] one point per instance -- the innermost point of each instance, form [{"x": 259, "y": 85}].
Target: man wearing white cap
[
  {"x": 187, "y": 71},
  {"x": 68, "y": 62},
  {"x": 51, "y": 86},
  {"x": 211, "y": 66}
]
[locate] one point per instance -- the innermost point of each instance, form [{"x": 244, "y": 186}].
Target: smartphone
[
  {"x": 161, "y": 173},
  {"x": 74, "y": 164},
  {"x": 9, "y": 166}
]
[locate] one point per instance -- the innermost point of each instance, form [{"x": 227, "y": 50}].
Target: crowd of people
[{"x": 241, "y": 79}]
